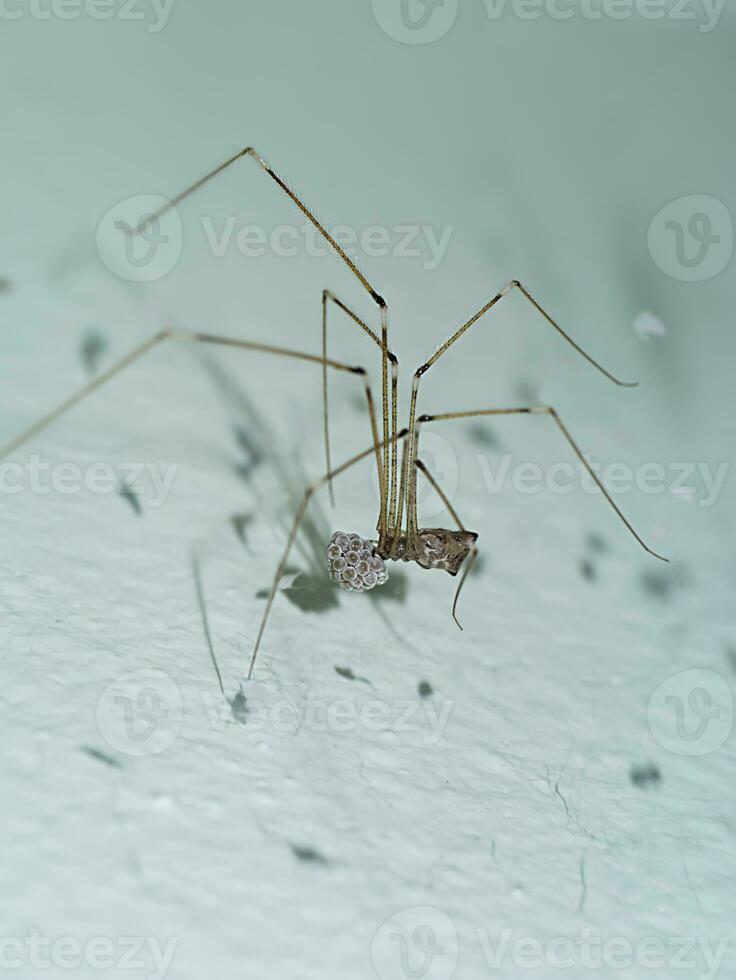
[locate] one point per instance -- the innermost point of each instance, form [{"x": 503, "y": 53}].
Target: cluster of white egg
[{"x": 353, "y": 563}]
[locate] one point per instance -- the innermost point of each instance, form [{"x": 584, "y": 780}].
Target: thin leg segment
[
  {"x": 389, "y": 442},
  {"x": 183, "y": 335},
  {"x": 453, "y": 513},
  {"x": 411, "y": 524},
  {"x": 386, "y": 519},
  {"x": 550, "y": 411},
  {"x": 301, "y": 511}
]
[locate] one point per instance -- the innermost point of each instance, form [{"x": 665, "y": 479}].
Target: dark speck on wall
[
  {"x": 587, "y": 570},
  {"x": 348, "y": 675},
  {"x": 596, "y": 543},
  {"x": 425, "y": 689},
  {"x": 101, "y": 756},
  {"x": 646, "y": 776},
  {"x": 91, "y": 350},
  {"x": 309, "y": 855},
  {"x": 129, "y": 494},
  {"x": 657, "y": 584},
  {"x": 239, "y": 707},
  {"x": 483, "y": 435}
]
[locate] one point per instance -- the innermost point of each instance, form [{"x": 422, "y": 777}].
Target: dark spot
[
  {"x": 239, "y": 707},
  {"x": 309, "y": 855},
  {"x": 395, "y": 590},
  {"x": 101, "y": 756},
  {"x": 657, "y": 584},
  {"x": 526, "y": 391},
  {"x": 348, "y": 674},
  {"x": 596, "y": 543},
  {"x": 91, "y": 350},
  {"x": 240, "y": 524},
  {"x": 252, "y": 450},
  {"x": 483, "y": 435},
  {"x": 425, "y": 689},
  {"x": 731, "y": 656},
  {"x": 129, "y": 494},
  {"x": 357, "y": 403},
  {"x": 645, "y": 777},
  {"x": 587, "y": 570},
  {"x": 312, "y": 593},
  {"x": 6, "y": 286}
]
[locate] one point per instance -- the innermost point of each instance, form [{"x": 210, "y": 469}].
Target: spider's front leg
[{"x": 386, "y": 517}]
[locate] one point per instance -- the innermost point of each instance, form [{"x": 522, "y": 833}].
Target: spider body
[{"x": 434, "y": 547}]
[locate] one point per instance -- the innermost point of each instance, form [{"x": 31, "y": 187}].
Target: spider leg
[
  {"x": 552, "y": 413},
  {"x": 411, "y": 517},
  {"x": 453, "y": 513},
  {"x": 389, "y": 443},
  {"x": 300, "y": 513},
  {"x": 205, "y": 338},
  {"x": 386, "y": 520}
]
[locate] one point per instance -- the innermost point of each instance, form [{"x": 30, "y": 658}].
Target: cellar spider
[{"x": 358, "y": 564}]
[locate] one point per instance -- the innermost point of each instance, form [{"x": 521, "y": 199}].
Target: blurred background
[{"x": 584, "y": 148}]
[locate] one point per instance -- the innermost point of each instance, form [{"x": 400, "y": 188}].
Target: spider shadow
[{"x": 310, "y": 590}]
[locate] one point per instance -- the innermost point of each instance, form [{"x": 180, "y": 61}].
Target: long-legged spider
[{"x": 354, "y": 562}]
